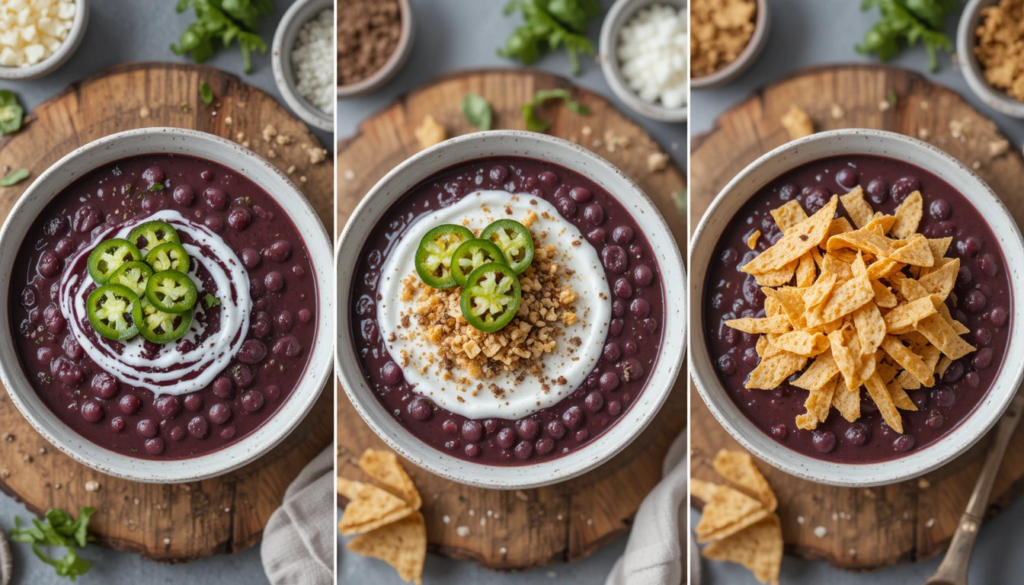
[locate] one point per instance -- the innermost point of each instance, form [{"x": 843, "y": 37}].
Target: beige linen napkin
[
  {"x": 298, "y": 542},
  {"x": 654, "y": 553}
]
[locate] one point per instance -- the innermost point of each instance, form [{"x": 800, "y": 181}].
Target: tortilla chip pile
[
  {"x": 388, "y": 521},
  {"x": 865, "y": 306},
  {"x": 740, "y": 522}
]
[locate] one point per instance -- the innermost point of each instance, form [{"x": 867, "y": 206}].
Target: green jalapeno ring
[
  {"x": 110, "y": 309},
  {"x": 434, "y": 254},
  {"x": 168, "y": 256},
  {"x": 133, "y": 275},
  {"x": 158, "y": 326},
  {"x": 487, "y": 303},
  {"x": 155, "y": 233},
  {"x": 473, "y": 254},
  {"x": 171, "y": 291},
  {"x": 514, "y": 240},
  {"x": 108, "y": 256}
]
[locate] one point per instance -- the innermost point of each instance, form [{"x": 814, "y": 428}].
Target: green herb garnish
[
  {"x": 157, "y": 187},
  {"x": 206, "y": 93},
  {"x": 536, "y": 124},
  {"x": 210, "y": 301},
  {"x": 58, "y": 529},
  {"x": 11, "y": 113},
  {"x": 477, "y": 111},
  {"x": 549, "y": 24},
  {"x": 904, "y": 23},
  {"x": 892, "y": 98},
  {"x": 14, "y": 177},
  {"x": 218, "y": 23}
]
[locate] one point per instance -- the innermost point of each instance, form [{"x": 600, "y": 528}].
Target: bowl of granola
[
  {"x": 726, "y": 39},
  {"x": 505, "y": 318}
]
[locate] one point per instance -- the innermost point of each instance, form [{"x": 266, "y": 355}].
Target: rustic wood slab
[
  {"x": 522, "y": 529},
  {"x": 911, "y": 521},
  {"x": 176, "y": 523}
]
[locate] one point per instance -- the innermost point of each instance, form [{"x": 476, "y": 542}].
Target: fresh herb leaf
[
  {"x": 680, "y": 199},
  {"x": 206, "y": 93},
  {"x": 14, "y": 177},
  {"x": 157, "y": 187},
  {"x": 536, "y": 124},
  {"x": 905, "y": 23},
  {"x": 184, "y": 106},
  {"x": 548, "y": 25},
  {"x": 892, "y": 98},
  {"x": 11, "y": 113},
  {"x": 218, "y": 23},
  {"x": 210, "y": 301},
  {"x": 58, "y": 529},
  {"x": 477, "y": 111}
]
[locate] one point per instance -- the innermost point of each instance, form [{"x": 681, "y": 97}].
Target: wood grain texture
[
  {"x": 516, "y": 530},
  {"x": 911, "y": 521},
  {"x": 172, "y": 523}
]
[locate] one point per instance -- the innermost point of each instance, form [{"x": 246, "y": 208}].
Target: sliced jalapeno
[
  {"x": 110, "y": 255},
  {"x": 133, "y": 275},
  {"x": 158, "y": 326},
  {"x": 434, "y": 254},
  {"x": 110, "y": 309},
  {"x": 514, "y": 240},
  {"x": 171, "y": 291},
  {"x": 151, "y": 234},
  {"x": 168, "y": 256},
  {"x": 473, "y": 254},
  {"x": 491, "y": 297}
]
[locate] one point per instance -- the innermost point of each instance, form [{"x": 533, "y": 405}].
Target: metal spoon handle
[{"x": 954, "y": 566}]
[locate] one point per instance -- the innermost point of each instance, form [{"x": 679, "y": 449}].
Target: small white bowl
[
  {"x": 192, "y": 143},
  {"x": 281, "y": 59},
  {"x": 966, "y": 40},
  {"x": 746, "y": 58},
  {"x": 458, "y": 150},
  {"x": 392, "y": 65},
  {"x": 749, "y": 182},
  {"x": 64, "y": 52},
  {"x": 620, "y": 14}
]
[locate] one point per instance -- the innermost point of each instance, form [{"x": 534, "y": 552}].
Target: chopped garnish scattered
[{"x": 58, "y": 529}]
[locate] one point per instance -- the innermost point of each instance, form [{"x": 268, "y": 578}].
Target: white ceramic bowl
[
  {"x": 672, "y": 277},
  {"x": 281, "y": 59},
  {"x": 63, "y": 53},
  {"x": 620, "y": 14},
  {"x": 966, "y": 40},
  {"x": 245, "y": 162},
  {"x": 392, "y": 65},
  {"x": 739, "y": 191},
  {"x": 746, "y": 58}
]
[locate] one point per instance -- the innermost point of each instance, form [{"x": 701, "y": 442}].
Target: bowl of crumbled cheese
[
  {"x": 645, "y": 57},
  {"x": 303, "y": 61},
  {"x": 38, "y": 36}
]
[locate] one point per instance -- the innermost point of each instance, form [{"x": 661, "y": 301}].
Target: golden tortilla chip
[
  {"x": 940, "y": 281},
  {"x": 907, "y": 381},
  {"x": 797, "y": 123},
  {"x": 820, "y": 373},
  {"x": 739, "y": 468},
  {"x": 899, "y": 397},
  {"x": 752, "y": 240},
  {"x": 846, "y": 400},
  {"x": 819, "y": 292},
  {"x": 942, "y": 335},
  {"x": 802, "y": 343},
  {"x": 776, "y": 324},
  {"x": 915, "y": 252},
  {"x": 833, "y": 265},
  {"x": 845, "y": 299},
  {"x": 369, "y": 507},
  {"x": 794, "y": 244},
  {"x": 908, "y": 216},
  {"x": 789, "y": 215},
  {"x": 724, "y": 509},
  {"x": 908, "y": 314},
  {"x": 909, "y": 360},
  {"x": 792, "y": 303},
  {"x": 401, "y": 544},
  {"x": 818, "y": 403},
  {"x": 805, "y": 271},
  {"x": 883, "y": 268},
  {"x": 758, "y": 548},
  {"x": 846, "y": 356},
  {"x": 774, "y": 278},
  {"x": 384, "y": 467},
  {"x": 880, "y": 395},
  {"x": 870, "y": 327},
  {"x": 942, "y": 366},
  {"x": 939, "y": 247},
  {"x": 909, "y": 288},
  {"x": 883, "y": 296},
  {"x": 859, "y": 210},
  {"x": 774, "y": 370},
  {"x": 839, "y": 225}
]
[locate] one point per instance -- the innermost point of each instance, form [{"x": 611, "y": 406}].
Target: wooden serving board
[
  {"x": 516, "y": 530},
  {"x": 911, "y": 521},
  {"x": 171, "y": 523}
]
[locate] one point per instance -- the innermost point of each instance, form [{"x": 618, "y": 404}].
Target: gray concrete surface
[{"x": 810, "y": 32}]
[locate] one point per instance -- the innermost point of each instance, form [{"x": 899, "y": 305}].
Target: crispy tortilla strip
[
  {"x": 805, "y": 271},
  {"x": 942, "y": 366},
  {"x": 915, "y": 252},
  {"x": 739, "y": 468},
  {"x": 758, "y": 548},
  {"x": 846, "y": 356},
  {"x": 908, "y": 314},
  {"x": 818, "y": 293},
  {"x": 886, "y": 372},
  {"x": 724, "y": 508},
  {"x": 880, "y": 395},
  {"x": 845, "y": 299},
  {"x": 401, "y": 544},
  {"x": 846, "y": 400},
  {"x": 384, "y": 467},
  {"x": 752, "y": 240},
  {"x": 839, "y": 225},
  {"x": 859, "y": 210},
  {"x": 941, "y": 334},
  {"x": 881, "y": 223},
  {"x": 907, "y": 381},
  {"x": 773, "y": 371},
  {"x": 908, "y": 216},
  {"x": 941, "y": 280},
  {"x": 883, "y": 296},
  {"x": 369, "y": 507},
  {"x": 865, "y": 240},
  {"x": 908, "y": 288},
  {"x": 796, "y": 243},
  {"x": 909, "y": 360},
  {"x": 802, "y": 343},
  {"x": 833, "y": 265},
  {"x": 821, "y": 372},
  {"x": 789, "y": 215},
  {"x": 870, "y": 327},
  {"x": 818, "y": 403},
  {"x": 792, "y": 302},
  {"x": 772, "y": 307},
  {"x": 778, "y": 277},
  {"x": 776, "y": 324},
  {"x": 899, "y": 397},
  {"x": 883, "y": 268},
  {"x": 939, "y": 246}
]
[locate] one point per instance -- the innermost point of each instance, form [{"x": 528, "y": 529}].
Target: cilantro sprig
[
  {"x": 11, "y": 113},
  {"x": 537, "y": 124},
  {"x": 219, "y": 23},
  {"x": 58, "y": 528},
  {"x": 548, "y": 25},
  {"x": 905, "y": 23}
]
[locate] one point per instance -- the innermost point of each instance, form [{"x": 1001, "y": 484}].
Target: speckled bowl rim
[
  {"x": 394, "y": 63},
  {"x": 281, "y": 61},
  {"x": 318, "y": 365},
  {"x": 737, "y": 193},
  {"x": 746, "y": 58},
  {"x": 621, "y": 13},
  {"x": 966, "y": 40},
  {"x": 58, "y": 58},
  {"x": 673, "y": 276}
]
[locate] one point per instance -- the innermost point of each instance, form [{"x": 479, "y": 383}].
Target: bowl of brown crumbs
[
  {"x": 726, "y": 37},
  {"x": 990, "y": 40},
  {"x": 375, "y": 38}
]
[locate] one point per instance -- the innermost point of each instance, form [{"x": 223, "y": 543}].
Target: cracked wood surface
[
  {"x": 168, "y": 523},
  {"x": 516, "y": 530}
]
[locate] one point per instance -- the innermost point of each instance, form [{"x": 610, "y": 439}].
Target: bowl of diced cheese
[{"x": 38, "y": 36}]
